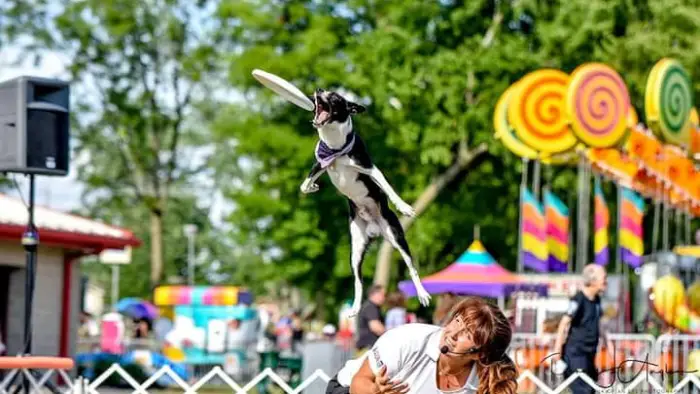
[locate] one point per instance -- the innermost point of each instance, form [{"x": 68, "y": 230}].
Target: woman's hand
[{"x": 382, "y": 385}]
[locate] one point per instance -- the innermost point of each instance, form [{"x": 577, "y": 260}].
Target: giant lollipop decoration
[
  {"x": 598, "y": 105},
  {"x": 537, "y": 111},
  {"x": 668, "y": 101},
  {"x": 504, "y": 132}
]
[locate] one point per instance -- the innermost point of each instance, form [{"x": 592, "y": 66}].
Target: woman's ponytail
[{"x": 499, "y": 377}]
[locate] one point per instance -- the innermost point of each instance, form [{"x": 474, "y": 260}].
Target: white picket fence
[
  {"x": 538, "y": 379},
  {"x": 641, "y": 384}
]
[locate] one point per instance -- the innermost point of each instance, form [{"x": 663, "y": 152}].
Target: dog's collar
[{"x": 325, "y": 154}]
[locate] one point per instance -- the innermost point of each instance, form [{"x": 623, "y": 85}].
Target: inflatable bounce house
[{"x": 207, "y": 324}]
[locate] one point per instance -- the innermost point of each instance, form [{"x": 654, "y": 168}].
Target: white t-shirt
[
  {"x": 410, "y": 353},
  {"x": 351, "y": 367}
]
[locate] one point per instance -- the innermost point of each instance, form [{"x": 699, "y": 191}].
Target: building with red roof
[{"x": 64, "y": 239}]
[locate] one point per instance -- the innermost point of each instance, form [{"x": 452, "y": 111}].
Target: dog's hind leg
[
  {"x": 359, "y": 241},
  {"x": 393, "y": 232}
]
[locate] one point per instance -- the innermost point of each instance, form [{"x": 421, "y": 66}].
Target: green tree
[
  {"x": 423, "y": 143},
  {"x": 208, "y": 246},
  {"x": 430, "y": 74},
  {"x": 22, "y": 21},
  {"x": 139, "y": 69}
]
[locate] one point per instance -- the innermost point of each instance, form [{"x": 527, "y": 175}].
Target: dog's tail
[{"x": 373, "y": 229}]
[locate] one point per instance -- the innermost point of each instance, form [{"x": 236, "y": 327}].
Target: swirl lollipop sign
[
  {"x": 598, "y": 104},
  {"x": 537, "y": 111},
  {"x": 503, "y": 129},
  {"x": 668, "y": 101}
]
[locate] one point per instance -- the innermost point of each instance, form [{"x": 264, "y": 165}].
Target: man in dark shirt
[
  {"x": 579, "y": 329},
  {"x": 369, "y": 322}
]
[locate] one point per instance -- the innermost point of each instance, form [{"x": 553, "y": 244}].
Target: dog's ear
[{"x": 355, "y": 108}]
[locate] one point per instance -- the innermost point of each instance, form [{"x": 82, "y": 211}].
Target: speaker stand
[{"x": 30, "y": 242}]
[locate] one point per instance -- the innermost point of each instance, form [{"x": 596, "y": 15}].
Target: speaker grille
[{"x": 47, "y": 137}]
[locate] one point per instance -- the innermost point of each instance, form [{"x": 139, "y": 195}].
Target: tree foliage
[
  {"x": 134, "y": 280},
  {"x": 429, "y": 72},
  {"x": 430, "y": 84},
  {"x": 139, "y": 69}
]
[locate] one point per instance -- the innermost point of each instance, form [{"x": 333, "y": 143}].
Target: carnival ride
[
  {"x": 672, "y": 287},
  {"x": 553, "y": 118},
  {"x": 586, "y": 118}
]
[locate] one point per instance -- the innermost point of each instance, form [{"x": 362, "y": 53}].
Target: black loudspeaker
[{"x": 35, "y": 126}]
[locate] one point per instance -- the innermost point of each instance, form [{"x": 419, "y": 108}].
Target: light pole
[
  {"x": 115, "y": 258},
  {"x": 190, "y": 231}
]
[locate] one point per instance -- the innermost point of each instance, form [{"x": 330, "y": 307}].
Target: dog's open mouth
[{"x": 322, "y": 112}]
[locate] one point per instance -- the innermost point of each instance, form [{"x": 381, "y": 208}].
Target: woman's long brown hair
[{"x": 491, "y": 333}]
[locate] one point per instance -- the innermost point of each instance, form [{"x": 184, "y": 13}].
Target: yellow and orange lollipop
[
  {"x": 504, "y": 132},
  {"x": 537, "y": 111}
]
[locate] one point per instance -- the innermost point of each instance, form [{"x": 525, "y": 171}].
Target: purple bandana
[{"x": 325, "y": 154}]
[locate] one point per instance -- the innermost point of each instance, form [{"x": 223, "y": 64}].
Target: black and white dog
[{"x": 342, "y": 153}]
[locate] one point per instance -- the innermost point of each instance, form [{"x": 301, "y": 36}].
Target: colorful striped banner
[
  {"x": 601, "y": 223},
  {"x": 534, "y": 233},
  {"x": 630, "y": 227},
  {"x": 557, "y": 218}
]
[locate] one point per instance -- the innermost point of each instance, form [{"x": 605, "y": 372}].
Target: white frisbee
[{"x": 283, "y": 88}]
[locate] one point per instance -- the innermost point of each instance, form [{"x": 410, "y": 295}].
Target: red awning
[{"x": 61, "y": 229}]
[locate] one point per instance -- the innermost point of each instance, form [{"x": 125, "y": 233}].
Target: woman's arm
[
  {"x": 363, "y": 381},
  {"x": 384, "y": 361}
]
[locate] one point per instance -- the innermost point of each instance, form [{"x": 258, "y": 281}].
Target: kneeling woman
[{"x": 467, "y": 355}]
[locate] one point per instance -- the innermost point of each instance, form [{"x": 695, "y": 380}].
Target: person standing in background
[
  {"x": 580, "y": 328},
  {"x": 297, "y": 331},
  {"x": 396, "y": 315},
  {"x": 369, "y": 323}
]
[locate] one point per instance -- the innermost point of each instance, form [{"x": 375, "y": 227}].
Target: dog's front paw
[
  {"x": 405, "y": 209},
  {"x": 308, "y": 187},
  {"x": 423, "y": 297}
]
